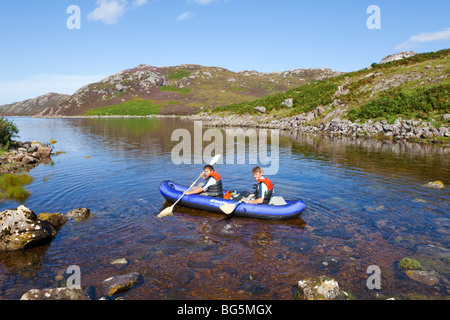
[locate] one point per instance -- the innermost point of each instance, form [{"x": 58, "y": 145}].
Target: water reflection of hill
[
  {"x": 151, "y": 137},
  {"x": 140, "y": 137},
  {"x": 412, "y": 159}
]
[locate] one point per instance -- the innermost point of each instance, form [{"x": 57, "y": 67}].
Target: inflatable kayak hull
[{"x": 172, "y": 192}]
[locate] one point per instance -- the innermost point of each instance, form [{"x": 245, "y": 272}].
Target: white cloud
[
  {"x": 108, "y": 11},
  {"x": 443, "y": 35},
  {"x": 37, "y": 85},
  {"x": 184, "y": 16},
  {"x": 138, "y": 3},
  {"x": 203, "y": 2}
]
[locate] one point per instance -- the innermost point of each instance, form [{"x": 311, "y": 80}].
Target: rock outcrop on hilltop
[{"x": 398, "y": 56}]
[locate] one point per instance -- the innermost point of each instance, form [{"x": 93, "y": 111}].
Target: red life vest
[
  {"x": 267, "y": 182},
  {"x": 215, "y": 175},
  {"x": 269, "y": 193},
  {"x": 216, "y": 190}
]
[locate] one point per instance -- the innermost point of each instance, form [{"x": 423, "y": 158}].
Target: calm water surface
[{"x": 367, "y": 204}]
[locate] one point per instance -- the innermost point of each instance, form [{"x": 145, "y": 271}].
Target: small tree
[{"x": 7, "y": 131}]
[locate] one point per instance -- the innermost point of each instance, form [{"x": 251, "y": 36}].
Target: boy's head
[
  {"x": 208, "y": 169},
  {"x": 257, "y": 172}
]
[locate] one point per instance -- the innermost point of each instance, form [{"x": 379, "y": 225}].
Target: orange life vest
[
  {"x": 215, "y": 190},
  {"x": 269, "y": 193}
]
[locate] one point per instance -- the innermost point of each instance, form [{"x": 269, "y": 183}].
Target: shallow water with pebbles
[{"x": 368, "y": 203}]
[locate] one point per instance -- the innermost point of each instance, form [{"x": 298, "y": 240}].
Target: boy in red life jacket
[
  {"x": 264, "y": 188},
  {"x": 212, "y": 187}
]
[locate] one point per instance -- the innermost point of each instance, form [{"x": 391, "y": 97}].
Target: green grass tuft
[
  {"x": 175, "y": 89},
  {"x": 178, "y": 74},
  {"x": 135, "y": 107},
  {"x": 11, "y": 186}
]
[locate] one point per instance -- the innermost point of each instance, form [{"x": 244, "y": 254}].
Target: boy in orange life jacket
[
  {"x": 212, "y": 187},
  {"x": 264, "y": 188}
]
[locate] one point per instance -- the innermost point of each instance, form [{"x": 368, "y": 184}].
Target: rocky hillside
[
  {"x": 179, "y": 90},
  {"x": 417, "y": 86},
  {"x": 33, "y": 106},
  {"x": 406, "y": 96}
]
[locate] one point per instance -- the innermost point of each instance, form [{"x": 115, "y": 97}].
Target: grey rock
[
  {"x": 79, "y": 214},
  {"x": 20, "y": 229},
  {"x": 260, "y": 109},
  {"x": 320, "y": 288},
  {"x": 289, "y": 103},
  {"x": 55, "y": 294}
]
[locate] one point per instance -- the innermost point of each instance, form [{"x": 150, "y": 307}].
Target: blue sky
[{"x": 40, "y": 54}]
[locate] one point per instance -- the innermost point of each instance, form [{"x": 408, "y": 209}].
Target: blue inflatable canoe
[{"x": 172, "y": 192}]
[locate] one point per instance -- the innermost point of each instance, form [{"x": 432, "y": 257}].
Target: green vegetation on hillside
[
  {"x": 395, "y": 102},
  {"x": 305, "y": 99},
  {"x": 178, "y": 74},
  {"x": 175, "y": 89},
  {"x": 415, "y": 87},
  {"x": 135, "y": 107}
]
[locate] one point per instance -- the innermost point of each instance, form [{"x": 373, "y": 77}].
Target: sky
[{"x": 61, "y": 45}]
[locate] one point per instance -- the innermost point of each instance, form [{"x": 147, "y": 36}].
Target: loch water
[{"x": 367, "y": 204}]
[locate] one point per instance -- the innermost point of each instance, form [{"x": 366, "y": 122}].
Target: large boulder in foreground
[{"x": 20, "y": 229}]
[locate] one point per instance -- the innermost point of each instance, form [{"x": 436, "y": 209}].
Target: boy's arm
[{"x": 195, "y": 191}]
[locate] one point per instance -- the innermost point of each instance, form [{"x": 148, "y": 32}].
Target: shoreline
[{"x": 402, "y": 130}]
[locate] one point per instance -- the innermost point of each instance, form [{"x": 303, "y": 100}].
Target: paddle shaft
[{"x": 188, "y": 190}]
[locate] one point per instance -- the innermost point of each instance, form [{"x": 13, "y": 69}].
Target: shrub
[
  {"x": 412, "y": 104},
  {"x": 7, "y": 131}
]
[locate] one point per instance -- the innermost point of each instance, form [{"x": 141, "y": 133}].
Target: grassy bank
[{"x": 11, "y": 186}]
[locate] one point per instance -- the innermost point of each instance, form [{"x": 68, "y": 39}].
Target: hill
[
  {"x": 415, "y": 88},
  {"x": 33, "y": 106},
  {"x": 178, "y": 90}
]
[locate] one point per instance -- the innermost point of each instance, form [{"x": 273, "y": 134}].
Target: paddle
[
  {"x": 169, "y": 210},
  {"x": 230, "y": 207}
]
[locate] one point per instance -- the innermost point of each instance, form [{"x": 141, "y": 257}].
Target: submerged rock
[
  {"x": 435, "y": 185},
  {"x": 423, "y": 276},
  {"x": 20, "y": 228},
  {"x": 120, "y": 284},
  {"x": 79, "y": 214},
  {"x": 55, "y": 294},
  {"x": 320, "y": 288}
]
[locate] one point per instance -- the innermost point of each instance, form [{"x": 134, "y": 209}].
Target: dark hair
[
  {"x": 209, "y": 167},
  {"x": 257, "y": 169}
]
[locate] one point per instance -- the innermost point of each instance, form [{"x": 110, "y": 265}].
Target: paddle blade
[
  {"x": 166, "y": 212},
  {"x": 228, "y": 208},
  {"x": 214, "y": 160}
]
